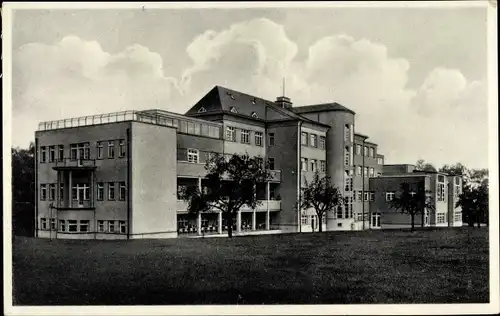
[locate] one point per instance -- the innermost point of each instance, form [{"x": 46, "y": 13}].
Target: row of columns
[
  {"x": 238, "y": 215},
  {"x": 238, "y": 222}
]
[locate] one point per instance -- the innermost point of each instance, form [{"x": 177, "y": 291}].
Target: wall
[
  {"x": 285, "y": 155},
  {"x": 108, "y": 170},
  {"x": 154, "y": 174},
  {"x": 391, "y": 217}
]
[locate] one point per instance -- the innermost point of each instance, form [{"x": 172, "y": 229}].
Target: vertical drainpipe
[
  {"x": 129, "y": 178},
  {"x": 363, "y": 184},
  {"x": 36, "y": 187},
  {"x": 299, "y": 174}
]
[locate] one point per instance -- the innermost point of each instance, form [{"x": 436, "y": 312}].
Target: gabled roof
[
  {"x": 325, "y": 107},
  {"x": 223, "y": 100}
]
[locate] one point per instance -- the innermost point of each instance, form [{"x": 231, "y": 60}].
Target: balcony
[
  {"x": 275, "y": 175},
  {"x": 80, "y": 164},
  {"x": 77, "y": 205}
]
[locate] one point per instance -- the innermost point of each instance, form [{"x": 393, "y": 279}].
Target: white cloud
[
  {"x": 443, "y": 121},
  {"x": 74, "y": 78}
]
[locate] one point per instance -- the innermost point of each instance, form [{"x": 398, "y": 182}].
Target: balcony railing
[
  {"x": 75, "y": 163},
  {"x": 75, "y": 204}
]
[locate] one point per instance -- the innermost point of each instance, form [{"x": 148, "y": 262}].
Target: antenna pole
[{"x": 283, "y": 86}]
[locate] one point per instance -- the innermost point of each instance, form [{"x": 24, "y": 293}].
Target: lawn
[{"x": 447, "y": 265}]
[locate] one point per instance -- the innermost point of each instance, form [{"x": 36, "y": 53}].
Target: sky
[{"x": 416, "y": 77}]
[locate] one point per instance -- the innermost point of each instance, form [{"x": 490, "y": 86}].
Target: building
[{"x": 117, "y": 176}]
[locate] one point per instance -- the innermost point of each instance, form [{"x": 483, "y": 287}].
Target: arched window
[
  {"x": 254, "y": 115},
  {"x": 233, "y": 110},
  {"x": 202, "y": 110}
]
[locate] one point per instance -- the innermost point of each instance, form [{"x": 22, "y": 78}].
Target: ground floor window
[
  {"x": 111, "y": 226},
  {"x": 84, "y": 225},
  {"x": 359, "y": 216},
  {"x": 376, "y": 219},
  {"x": 100, "y": 226},
  {"x": 303, "y": 219},
  {"x": 123, "y": 227},
  {"x": 43, "y": 223},
  {"x": 441, "y": 218},
  {"x": 72, "y": 225},
  {"x": 62, "y": 225},
  {"x": 458, "y": 217},
  {"x": 53, "y": 224}
]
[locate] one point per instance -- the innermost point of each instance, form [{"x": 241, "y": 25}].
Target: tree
[
  {"x": 230, "y": 184},
  {"x": 474, "y": 202},
  {"x": 421, "y": 165},
  {"x": 474, "y": 198},
  {"x": 321, "y": 195},
  {"x": 23, "y": 189},
  {"x": 411, "y": 202}
]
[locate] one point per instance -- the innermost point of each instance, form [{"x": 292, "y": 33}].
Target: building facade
[{"x": 118, "y": 175}]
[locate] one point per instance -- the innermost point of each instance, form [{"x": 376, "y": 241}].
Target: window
[
  {"x": 358, "y": 150},
  {"x": 202, "y": 110},
  {"x": 43, "y": 192},
  {"x": 100, "y": 191},
  {"x": 441, "y": 218},
  {"x": 52, "y": 153},
  {"x": 358, "y": 170},
  {"x": 314, "y": 140},
  {"x": 457, "y": 217},
  {"x": 366, "y": 196},
  {"x": 61, "y": 152},
  {"x": 347, "y": 182},
  {"x": 53, "y": 224},
  {"x": 52, "y": 191},
  {"x": 230, "y": 133},
  {"x": 347, "y": 132},
  {"x": 233, "y": 109},
  {"x": 304, "y": 164},
  {"x": 111, "y": 191},
  {"x": 372, "y": 152},
  {"x": 254, "y": 115},
  {"x": 61, "y": 191},
  {"x": 389, "y": 196},
  {"x": 359, "y": 216},
  {"x": 111, "y": 226},
  {"x": 340, "y": 212},
  {"x": 99, "y": 150},
  {"x": 314, "y": 165},
  {"x": 193, "y": 155},
  {"x": 81, "y": 192},
  {"x": 123, "y": 227},
  {"x": 271, "y": 139},
  {"x": 80, "y": 151},
  {"x": 366, "y": 171},
  {"x": 440, "y": 189},
  {"x": 304, "y": 219},
  {"x": 43, "y": 223},
  {"x": 347, "y": 156},
  {"x": 372, "y": 196},
  {"x": 371, "y": 172},
  {"x": 260, "y": 161},
  {"x": 270, "y": 161},
  {"x": 413, "y": 193},
  {"x": 111, "y": 149},
  {"x": 62, "y": 225},
  {"x": 122, "y": 191},
  {"x": 43, "y": 154},
  {"x": 322, "y": 142},
  {"x": 121, "y": 150},
  {"x": 84, "y": 225},
  {"x": 72, "y": 225},
  {"x": 360, "y": 196},
  {"x": 304, "y": 138},
  {"x": 457, "y": 181},
  {"x": 380, "y": 160},
  {"x": 366, "y": 151},
  {"x": 100, "y": 226},
  {"x": 258, "y": 138},
  {"x": 322, "y": 164},
  {"x": 245, "y": 136}
]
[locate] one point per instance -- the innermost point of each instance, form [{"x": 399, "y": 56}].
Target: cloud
[
  {"x": 445, "y": 118},
  {"x": 75, "y": 77}
]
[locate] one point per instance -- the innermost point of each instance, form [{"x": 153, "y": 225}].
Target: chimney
[{"x": 284, "y": 102}]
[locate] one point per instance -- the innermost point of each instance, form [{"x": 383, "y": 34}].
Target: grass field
[{"x": 426, "y": 266}]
